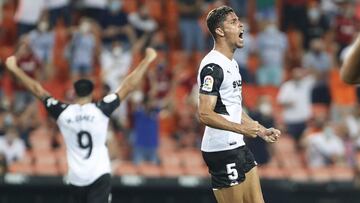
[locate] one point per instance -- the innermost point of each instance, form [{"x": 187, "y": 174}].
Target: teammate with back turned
[
  {"x": 84, "y": 127},
  {"x": 231, "y": 164}
]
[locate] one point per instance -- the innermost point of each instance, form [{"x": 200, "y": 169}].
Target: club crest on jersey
[{"x": 208, "y": 83}]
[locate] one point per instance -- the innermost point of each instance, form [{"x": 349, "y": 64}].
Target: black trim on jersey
[
  {"x": 108, "y": 104},
  {"x": 54, "y": 107},
  {"x": 216, "y": 72},
  {"x": 220, "y": 108}
]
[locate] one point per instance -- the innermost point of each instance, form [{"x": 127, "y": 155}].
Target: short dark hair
[
  {"x": 83, "y": 87},
  {"x": 216, "y": 18}
]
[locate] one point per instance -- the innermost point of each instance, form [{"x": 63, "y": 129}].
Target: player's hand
[
  {"x": 271, "y": 135},
  {"x": 251, "y": 129},
  {"x": 11, "y": 63},
  {"x": 150, "y": 54}
]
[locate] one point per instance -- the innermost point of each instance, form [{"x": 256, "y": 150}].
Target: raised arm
[
  {"x": 350, "y": 70},
  {"x": 208, "y": 117},
  {"x": 32, "y": 85},
  {"x": 132, "y": 81}
]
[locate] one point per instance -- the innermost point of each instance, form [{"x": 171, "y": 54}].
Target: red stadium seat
[
  {"x": 21, "y": 168},
  {"x": 172, "y": 171},
  {"x": 126, "y": 168},
  {"x": 341, "y": 173},
  {"x": 149, "y": 170},
  {"x": 322, "y": 174},
  {"x": 46, "y": 170}
]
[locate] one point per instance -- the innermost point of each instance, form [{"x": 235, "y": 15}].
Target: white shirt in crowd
[
  {"x": 13, "y": 151},
  {"x": 29, "y": 11},
  {"x": 298, "y": 93}
]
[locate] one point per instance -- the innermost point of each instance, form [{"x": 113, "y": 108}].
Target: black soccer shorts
[
  {"x": 228, "y": 168},
  {"x": 97, "y": 192}
]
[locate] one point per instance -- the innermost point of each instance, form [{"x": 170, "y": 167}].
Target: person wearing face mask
[
  {"x": 294, "y": 97},
  {"x": 142, "y": 21},
  {"x": 11, "y": 146},
  {"x": 81, "y": 50},
  {"x": 272, "y": 54},
  {"x": 317, "y": 59},
  {"x": 116, "y": 26},
  {"x": 316, "y": 24},
  {"x": 42, "y": 42}
]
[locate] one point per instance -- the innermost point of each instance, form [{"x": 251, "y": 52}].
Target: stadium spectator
[
  {"x": 42, "y": 41},
  {"x": 81, "y": 50},
  {"x": 272, "y": 55},
  {"x": 317, "y": 26},
  {"x": 345, "y": 25},
  {"x": 192, "y": 36},
  {"x": 142, "y": 22},
  {"x": 146, "y": 130},
  {"x": 293, "y": 12},
  {"x": 116, "y": 25},
  {"x": 263, "y": 114},
  {"x": 294, "y": 98},
  {"x": 30, "y": 64},
  {"x": 28, "y": 14},
  {"x": 324, "y": 148},
  {"x": 58, "y": 9},
  {"x": 11, "y": 145},
  {"x": 317, "y": 59}
]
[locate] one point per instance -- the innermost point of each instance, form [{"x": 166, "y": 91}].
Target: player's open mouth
[{"x": 241, "y": 34}]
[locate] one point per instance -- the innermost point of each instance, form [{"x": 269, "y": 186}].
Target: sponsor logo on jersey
[
  {"x": 237, "y": 83},
  {"x": 208, "y": 83}
]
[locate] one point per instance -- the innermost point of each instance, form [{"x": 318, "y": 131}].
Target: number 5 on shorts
[{"x": 231, "y": 171}]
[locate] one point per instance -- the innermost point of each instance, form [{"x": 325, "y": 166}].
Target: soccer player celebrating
[
  {"x": 84, "y": 127},
  {"x": 231, "y": 164}
]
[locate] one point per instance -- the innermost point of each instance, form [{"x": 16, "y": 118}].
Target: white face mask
[
  {"x": 117, "y": 51},
  {"x": 85, "y": 27},
  {"x": 265, "y": 108},
  {"x": 43, "y": 26},
  {"x": 137, "y": 97},
  {"x": 115, "y": 5},
  {"x": 314, "y": 14}
]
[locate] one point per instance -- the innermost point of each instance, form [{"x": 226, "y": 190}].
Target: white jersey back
[
  {"x": 84, "y": 128},
  {"x": 220, "y": 76}
]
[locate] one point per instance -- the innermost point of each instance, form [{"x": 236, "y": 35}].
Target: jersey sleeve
[
  {"x": 54, "y": 107},
  {"x": 108, "y": 104},
  {"x": 211, "y": 77}
]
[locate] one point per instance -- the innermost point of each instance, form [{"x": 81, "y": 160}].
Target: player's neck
[
  {"x": 223, "y": 48},
  {"x": 83, "y": 100}
]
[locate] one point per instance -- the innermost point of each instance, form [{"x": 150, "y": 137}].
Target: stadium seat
[
  {"x": 172, "y": 171},
  {"x": 149, "y": 170},
  {"x": 322, "y": 174},
  {"x": 46, "y": 169},
  {"x": 272, "y": 172},
  {"x": 21, "y": 168},
  {"x": 201, "y": 171},
  {"x": 126, "y": 168},
  {"x": 170, "y": 159},
  {"x": 298, "y": 174},
  {"x": 341, "y": 173}
]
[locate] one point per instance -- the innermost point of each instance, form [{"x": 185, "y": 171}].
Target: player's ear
[{"x": 219, "y": 32}]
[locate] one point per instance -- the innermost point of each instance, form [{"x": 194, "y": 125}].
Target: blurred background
[{"x": 290, "y": 70}]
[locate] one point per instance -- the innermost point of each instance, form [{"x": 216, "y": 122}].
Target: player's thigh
[
  {"x": 233, "y": 194},
  {"x": 100, "y": 190},
  {"x": 252, "y": 188}
]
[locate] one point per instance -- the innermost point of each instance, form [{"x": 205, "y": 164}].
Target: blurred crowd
[{"x": 289, "y": 66}]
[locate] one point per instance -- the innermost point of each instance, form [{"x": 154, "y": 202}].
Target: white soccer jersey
[
  {"x": 84, "y": 128},
  {"x": 220, "y": 76}
]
